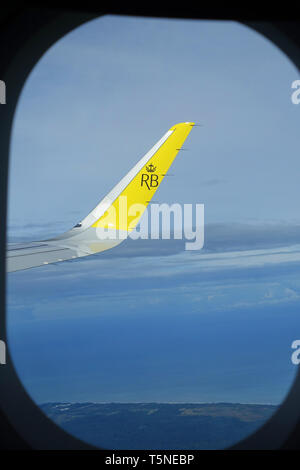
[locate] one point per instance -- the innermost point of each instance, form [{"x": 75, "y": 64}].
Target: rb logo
[{"x": 150, "y": 180}]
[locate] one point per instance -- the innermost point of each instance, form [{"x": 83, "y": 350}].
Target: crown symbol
[{"x": 150, "y": 168}]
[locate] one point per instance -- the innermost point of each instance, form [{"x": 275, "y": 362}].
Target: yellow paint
[{"x": 127, "y": 209}]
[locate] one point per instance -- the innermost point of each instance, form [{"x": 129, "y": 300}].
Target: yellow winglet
[{"x": 130, "y": 203}]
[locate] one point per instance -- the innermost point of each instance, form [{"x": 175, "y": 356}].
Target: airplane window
[{"x": 152, "y": 342}]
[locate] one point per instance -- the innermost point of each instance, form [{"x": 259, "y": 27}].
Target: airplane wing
[{"x": 114, "y": 217}]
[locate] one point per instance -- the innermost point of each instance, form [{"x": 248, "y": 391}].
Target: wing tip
[{"x": 182, "y": 124}]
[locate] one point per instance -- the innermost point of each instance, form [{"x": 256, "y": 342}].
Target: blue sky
[
  {"x": 149, "y": 321},
  {"x": 104, "y": 94}
]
